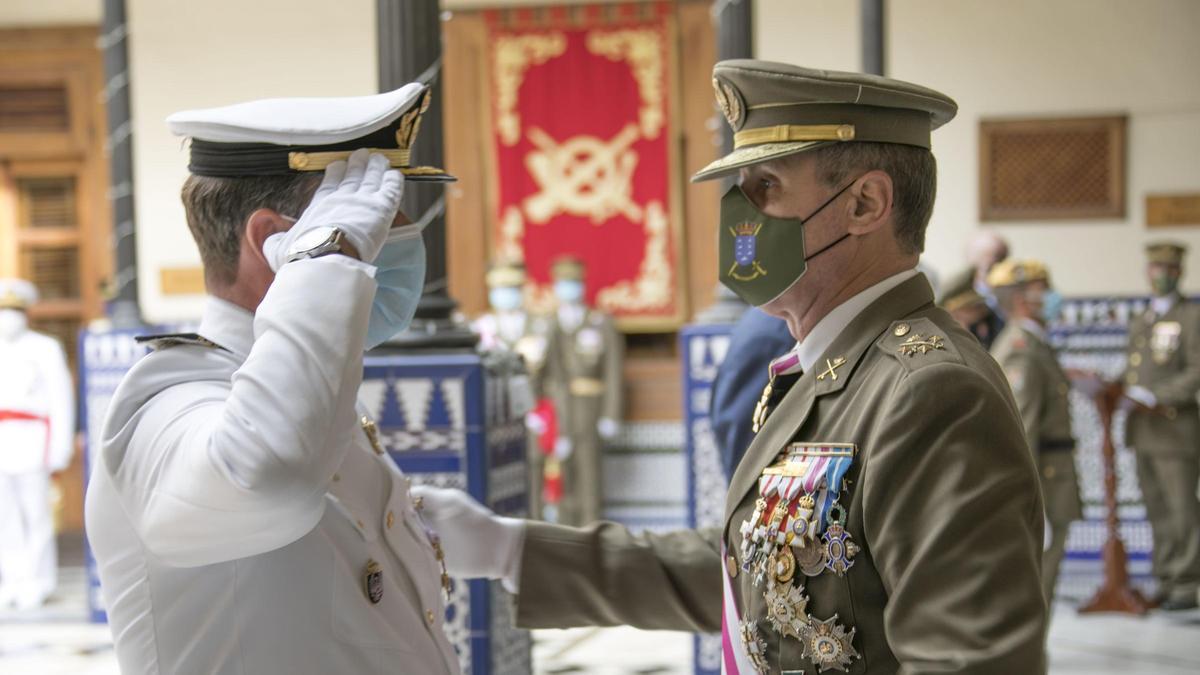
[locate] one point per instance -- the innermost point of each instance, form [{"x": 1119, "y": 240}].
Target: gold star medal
[
  {"x": 786, "y": 609},
  {"x": 827, "y": 644}
]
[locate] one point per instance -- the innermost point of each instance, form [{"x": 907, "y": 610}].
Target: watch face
[{"x": 310, "y": 240}]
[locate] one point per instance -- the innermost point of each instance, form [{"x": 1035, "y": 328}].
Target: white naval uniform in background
[
  {"x": 236, "y": 500},
  {"x": 37, "y": 425}
]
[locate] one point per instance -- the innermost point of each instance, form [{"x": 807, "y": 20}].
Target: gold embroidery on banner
[
  {"x": 514, "y": 54},
  {"x": 642, "y": 48},
  {"x": 512, "y": 229},
  {"x": 583, "y": 176},
  {"x": 652, "y": 287}
]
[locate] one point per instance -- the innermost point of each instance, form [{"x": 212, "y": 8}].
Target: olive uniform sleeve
[
  {"x": 1180, "y": 389},
  {"x": 603, "y": 575},
  {"x": 1028, "y": 383},
  {"x": 953, "y": 514}
]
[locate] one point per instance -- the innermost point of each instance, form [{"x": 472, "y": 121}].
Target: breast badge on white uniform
[{"x": 796, "y": 531}]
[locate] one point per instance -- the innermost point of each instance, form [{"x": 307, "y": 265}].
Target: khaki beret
[
  {"x": 1017, "y": 272},
  {"x": 1166, "y": 252},
  {"x": 567, "y": 268},
  {"x": 505, "y": 273},
  {"x": 777, "y": 109}
]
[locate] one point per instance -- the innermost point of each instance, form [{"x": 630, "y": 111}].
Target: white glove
[
  {"x": 1141, "y": 395},
  {"x": 360, "y": 197},
  {"x": 607, "y": 428},
  {"x": 477, "y": 543},
  {"x": 535, "y": 423},
  {"x": 562, "y": 448}
]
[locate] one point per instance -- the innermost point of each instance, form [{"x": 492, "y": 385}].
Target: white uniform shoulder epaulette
[{"x": 166, "y": 340}]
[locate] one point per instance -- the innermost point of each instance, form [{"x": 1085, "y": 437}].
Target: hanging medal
[{"x": 839, "y": 549}]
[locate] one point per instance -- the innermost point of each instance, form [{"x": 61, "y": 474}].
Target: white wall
[
  {"x": 17, "y": 13},
  {"x": 187, "y": 54},
  {"x": 1032, "y": 58}
]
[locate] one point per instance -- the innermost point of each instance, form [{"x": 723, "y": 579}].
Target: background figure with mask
[
  {"x": 1162, "y": 380},
  {"x": 1042, "y": 392},
  {"x": 583, "y": 376},
  {"x": 37, "y": 421},
  {"x": 510, "y": 328},
  {"x": 968, "y": 296}
]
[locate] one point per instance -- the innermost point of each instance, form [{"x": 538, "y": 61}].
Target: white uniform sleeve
[
  {"x": 216, "y": 471},
  {"x": 61, "y": 390}
]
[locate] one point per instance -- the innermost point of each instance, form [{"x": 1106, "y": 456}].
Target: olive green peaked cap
[{"x": 777, "y": 109}]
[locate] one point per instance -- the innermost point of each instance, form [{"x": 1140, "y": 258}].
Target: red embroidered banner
[{"x": 581, "y": 129}]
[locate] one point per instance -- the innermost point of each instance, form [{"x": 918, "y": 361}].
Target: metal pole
[
  {"x": 124, "y": 309},
  {"x": 410, "y": 49},
  {"x": 872, "y": 37}
]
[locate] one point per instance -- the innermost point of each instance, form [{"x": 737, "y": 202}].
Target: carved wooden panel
[{"x": 1052, "y": 169}]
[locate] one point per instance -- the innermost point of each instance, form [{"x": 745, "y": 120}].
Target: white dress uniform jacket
[
  {"x": 37, "y": 406},
  {"x": 37, "y": 424},
  {"x": 236, "y": 502}
]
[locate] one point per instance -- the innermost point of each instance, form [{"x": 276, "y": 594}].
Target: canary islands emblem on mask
[{"x": 745, "y": 253}]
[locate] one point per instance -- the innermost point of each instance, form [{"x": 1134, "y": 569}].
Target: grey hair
[{"x": 914, "y": 179}]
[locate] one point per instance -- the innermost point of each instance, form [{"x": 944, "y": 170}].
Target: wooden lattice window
[
  {"x": 1052, "y": 169},
  {"x": 26, "y": 108}
]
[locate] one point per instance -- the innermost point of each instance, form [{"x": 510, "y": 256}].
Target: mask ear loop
[
  {"x": 820, "y": 208},
  {"x": 414, "y": 230}
]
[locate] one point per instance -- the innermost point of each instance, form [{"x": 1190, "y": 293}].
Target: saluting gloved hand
[
  {"x": 477, "y": 542},
  {"x": 360, "y": 197}
]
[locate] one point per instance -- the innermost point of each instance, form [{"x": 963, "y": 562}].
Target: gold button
[
  {"x": 1135, "y": 359},
  {"x": 429, "y": 616},
  {"x": 360, "y": 525},
  {"x": 732, "y": 566},
  {"x": 1131, "y": 378},
  {"x": 418, "y": 503},
  {"x": 391, "y": 519},
  {"x": 901, "y": 330},
  {"x": 1049, "y": 472}
]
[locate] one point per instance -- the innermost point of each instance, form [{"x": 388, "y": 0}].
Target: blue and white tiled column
[{"x": 703, "y": 347}]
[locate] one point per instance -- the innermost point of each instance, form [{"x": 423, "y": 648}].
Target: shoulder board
[
  {"x": 917, "y": 343},
  {"x": 165, "y": 340}
]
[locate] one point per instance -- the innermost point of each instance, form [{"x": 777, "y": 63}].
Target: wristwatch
[{"x": 316, "y": 242}]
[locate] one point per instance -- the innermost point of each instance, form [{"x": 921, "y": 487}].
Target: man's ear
[
  {"x": 262, "y": 224},
  {"x": 871, "y": 203}
]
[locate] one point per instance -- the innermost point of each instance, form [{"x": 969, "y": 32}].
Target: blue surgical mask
[
  {"x": 399, "y": 279},
  {"x": 399, "y": 282},
  {"x": 505, "y": 298},
  {"x": 569, "y": 292},
  {"x": 1051, "y": 306}
]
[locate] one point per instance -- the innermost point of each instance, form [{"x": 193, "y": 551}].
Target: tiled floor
[{"x": 57, "y": 641}]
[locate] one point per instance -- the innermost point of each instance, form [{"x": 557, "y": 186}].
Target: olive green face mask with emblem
[{"x": 762, "y": 256}]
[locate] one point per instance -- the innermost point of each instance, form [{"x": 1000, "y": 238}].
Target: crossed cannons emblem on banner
[{"x": 583, "y": 176}]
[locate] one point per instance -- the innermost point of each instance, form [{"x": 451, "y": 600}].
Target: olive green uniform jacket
[
  {"x": 943, "y": 500},
  {"x": 583, "y": 376},
  {"x": 1043, "y": 395},
  {"x": 1164, "y": 357}
]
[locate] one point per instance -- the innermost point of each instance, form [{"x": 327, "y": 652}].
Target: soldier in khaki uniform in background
[
  {"x": 886, "y": 517},
  {"x": 1042, "y": 391},
  {"x": 1162, "y": 380},
  {"x": 583, "y": 376},
  {"x": 511, "y": 328}
]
